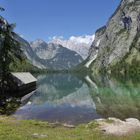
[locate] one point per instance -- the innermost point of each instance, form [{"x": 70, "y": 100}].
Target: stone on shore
[{"x": 118, "y": 127}]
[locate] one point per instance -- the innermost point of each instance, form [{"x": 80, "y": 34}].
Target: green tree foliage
[{"x": 9, "y": 50}]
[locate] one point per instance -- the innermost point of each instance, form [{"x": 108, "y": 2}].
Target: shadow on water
[
  {"x": 8, "y": 106},
  {"x": 67, "y": 98},
  {"x": 10, "y": 101}
]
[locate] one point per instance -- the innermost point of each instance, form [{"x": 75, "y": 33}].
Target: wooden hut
[{"x": 25, "y": 82}]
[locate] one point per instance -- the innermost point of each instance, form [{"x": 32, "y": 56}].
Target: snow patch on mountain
[
  {"x": 38, "y": 43},
  {"x": 55, "y": 56},
  {"x": 79, "y": 44}
]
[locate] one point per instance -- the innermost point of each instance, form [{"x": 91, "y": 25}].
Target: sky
[{"x": 44, "y": 19}]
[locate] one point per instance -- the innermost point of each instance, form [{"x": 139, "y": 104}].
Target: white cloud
[
  {"x": 87, "y": 39},
  {"x": 80, "y": 44}
]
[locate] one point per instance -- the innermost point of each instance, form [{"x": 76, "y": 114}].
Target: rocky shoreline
[
  {"x": 100, "y": 129},
  {"x": 112, "y": 126},
  {"x": 118, "y": 127}
]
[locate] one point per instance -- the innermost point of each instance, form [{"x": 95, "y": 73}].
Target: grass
[{"x": 12, "y": 129}]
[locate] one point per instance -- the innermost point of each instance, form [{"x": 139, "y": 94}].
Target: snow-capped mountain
[
  {"x": 80, "y": 44},
  {"x": 55, "y": 56},
  {"x": 38, "y": 43}
]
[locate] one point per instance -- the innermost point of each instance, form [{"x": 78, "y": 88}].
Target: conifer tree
[{"x": 9, "y": 50}]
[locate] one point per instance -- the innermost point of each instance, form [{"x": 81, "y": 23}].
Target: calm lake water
[{"x": 66, "y": 98}]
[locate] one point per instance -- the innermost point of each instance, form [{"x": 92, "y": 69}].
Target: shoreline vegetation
[{"x": 101, "y": 129}]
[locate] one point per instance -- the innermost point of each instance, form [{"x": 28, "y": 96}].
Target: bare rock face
[
  {"x": 49, "y": 56},
  {"x": 118, "y": 42},
  {"x": 55, "y": 56},
  {"x": 93, "y": 52},
  {"x": 79, "y": 44},
  {"x": 118, "y": 127}
]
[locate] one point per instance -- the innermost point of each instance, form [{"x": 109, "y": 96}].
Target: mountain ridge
[
  {"x": 80, "y": 44},
  {"x": 55, "y": 56}
]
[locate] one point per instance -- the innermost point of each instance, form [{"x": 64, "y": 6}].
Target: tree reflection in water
[
  {"x": 116, "y": 97},
  {"x": 9, "y": 105}
]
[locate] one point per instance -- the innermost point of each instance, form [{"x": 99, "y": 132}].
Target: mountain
[
  {"x": 16, "y": 65},
  {"x": 55, "y": 56},
  {"x": 48, "y": 56},
  {"x": 30, "y": 54},
  {"x": 116, "y": 47},
  {"x": 80, "y": 44}
]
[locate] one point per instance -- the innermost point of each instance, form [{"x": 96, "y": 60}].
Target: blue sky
[{"x": 48, "y": 18}]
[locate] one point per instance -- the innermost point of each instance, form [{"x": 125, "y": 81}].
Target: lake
[{"x": 72, "y": 99}]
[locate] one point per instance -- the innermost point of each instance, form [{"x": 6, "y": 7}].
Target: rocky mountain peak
[
  {"x": 38, "y": 43},
  {"x": 54, "y": 55},
  {"x": 79, "y": 44}
]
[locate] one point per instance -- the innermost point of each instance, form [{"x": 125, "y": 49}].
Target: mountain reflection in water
[{"x": 66, "y": 98}]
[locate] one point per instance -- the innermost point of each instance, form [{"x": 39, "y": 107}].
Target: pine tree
[{"x": 9, "y": 50}]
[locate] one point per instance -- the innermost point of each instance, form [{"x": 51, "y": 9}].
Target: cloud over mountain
[{"x": 80, "y": 44}]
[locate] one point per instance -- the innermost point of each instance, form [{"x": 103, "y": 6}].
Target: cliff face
[{"x": 117, "y": 45}]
